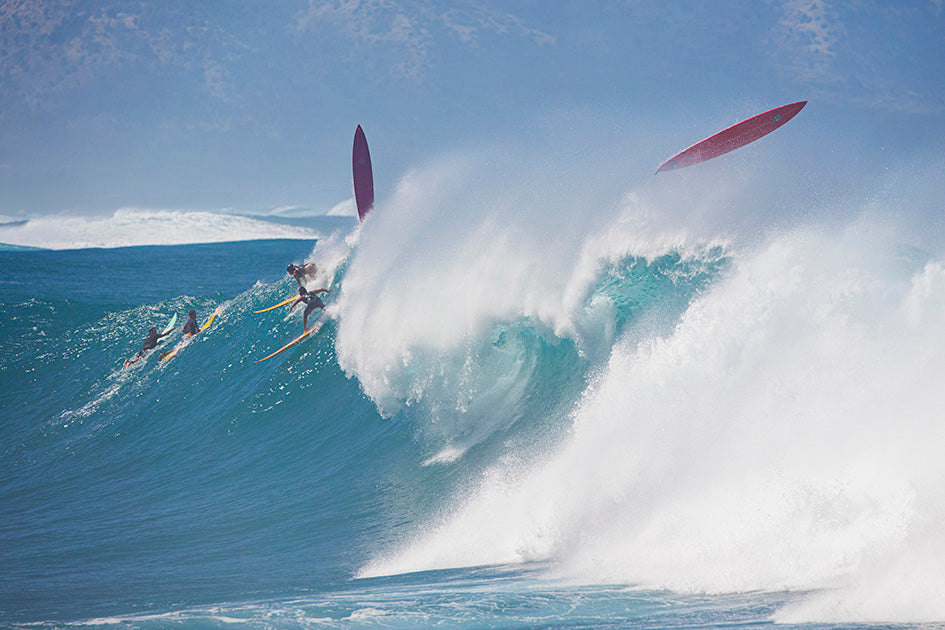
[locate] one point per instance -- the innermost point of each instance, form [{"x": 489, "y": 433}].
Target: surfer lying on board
[
  {"x": 191, "y": 327},
  {"x": 150, "y": 342},
  {"x": 312, "y": 302},
  {"x": 308, "y": 269}
]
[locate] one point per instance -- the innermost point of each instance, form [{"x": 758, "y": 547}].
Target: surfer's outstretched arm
[
  {"x": 294, "y": 304},
  {"x": 321, "y": 291}
]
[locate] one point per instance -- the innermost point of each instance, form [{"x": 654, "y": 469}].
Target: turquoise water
[{"x": 211, "y": 491}]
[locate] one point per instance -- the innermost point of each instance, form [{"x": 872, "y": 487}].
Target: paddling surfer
[
  {"x": 297, "y": 272},
  {"x": 191, "y": 328},
  {"x": 150, "y": 342},
  {"x": 312, "y": 302}
]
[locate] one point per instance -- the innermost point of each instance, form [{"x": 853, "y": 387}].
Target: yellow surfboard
[
  {"x": 282, "y": 303},
  {"x": 209, "y": 321},
  {"x": 167, "y": 356},
  {"x": 315, "y": 327}
]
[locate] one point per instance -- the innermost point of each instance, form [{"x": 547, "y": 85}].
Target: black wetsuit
[
  {"x": 312, "y": 302},
  {"x": 191, "y": 328},
  {"x": 150, "y": 342}
]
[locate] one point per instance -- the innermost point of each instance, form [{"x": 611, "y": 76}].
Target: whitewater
[
  {"x": 134, "y": 227},
  {"x": 542, "y": 398}
]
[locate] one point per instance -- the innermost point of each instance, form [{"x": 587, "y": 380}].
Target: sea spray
[
  {"x": 785, "y": 435},
  {"x": 458, "y": 301}
]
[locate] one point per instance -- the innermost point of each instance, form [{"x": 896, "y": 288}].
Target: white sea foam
[
  {"x": 445, "y": 456},
  {"x": 132, "y": 227},
  {"x": 461, "y": 247},
  {"x": 786, "y": 435}
]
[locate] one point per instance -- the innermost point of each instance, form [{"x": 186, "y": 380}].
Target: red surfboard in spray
[
  {"x": 362, "y": 174},
  {"x": 734, "y": 137}
]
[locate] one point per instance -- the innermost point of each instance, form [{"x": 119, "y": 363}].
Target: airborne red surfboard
[
  {"x": 362, "y": 174},
  {"x": 734, "y": 137}
]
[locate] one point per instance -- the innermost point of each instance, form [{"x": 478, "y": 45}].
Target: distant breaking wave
[{"x": 129, "y": 227}]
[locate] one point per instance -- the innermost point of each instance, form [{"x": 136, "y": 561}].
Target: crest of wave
[
  {"x": 786, "y": 435},
  {"x": 466, "y": 247}
]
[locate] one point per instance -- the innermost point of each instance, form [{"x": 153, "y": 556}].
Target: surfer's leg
[{"x": 308, "y": 309}]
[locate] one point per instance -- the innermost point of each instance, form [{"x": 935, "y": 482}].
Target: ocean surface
[{"x": 504, "y": 422}]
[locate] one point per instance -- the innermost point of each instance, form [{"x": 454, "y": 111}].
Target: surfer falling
[{"x": 301, "y": 272}]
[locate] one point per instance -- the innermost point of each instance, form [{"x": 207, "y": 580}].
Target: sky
[{"x": 250, "y": 107}]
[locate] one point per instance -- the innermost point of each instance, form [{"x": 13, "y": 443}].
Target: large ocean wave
[{"x": 671, "y": 388}]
